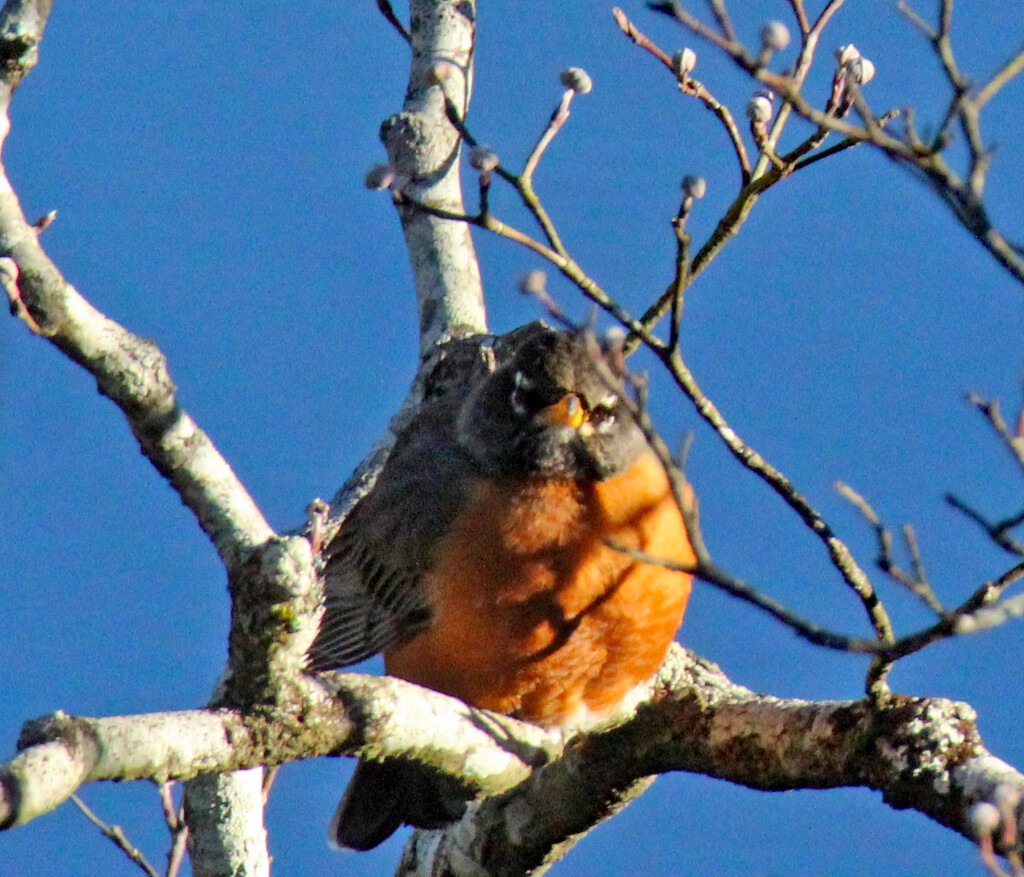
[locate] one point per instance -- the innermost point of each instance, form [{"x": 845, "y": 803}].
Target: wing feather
[{"x": 373, "y": 585}]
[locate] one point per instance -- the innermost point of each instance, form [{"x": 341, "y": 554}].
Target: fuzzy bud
[
  {"x": 438, "y": 72},
  {"x": 760, "y": 109},
  {"x": 533, "y": 283},
  {"x": 694, "y": 187},
  {"x": 483, "y": 158},
  {"x": 684, "y": 61},
  {"x": 984, "y": 818},
  {"x": 577, "y": 79},
  {"x": 846, "y": 54},
  {"x": 865, "y": 72},
  {"x": 774, "y": 36},
  {"x": 380, "y": 176},
  {"x": 850, "y": 58}
]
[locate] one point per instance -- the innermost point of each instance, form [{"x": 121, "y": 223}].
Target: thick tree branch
[
  {"x": 423, "y": 148},
  {"x": 224, "y": 813},
  {"x": 340, "y": 714},
  {"x": 921, "y": 753},
  {"x": 128, "y": 369}
]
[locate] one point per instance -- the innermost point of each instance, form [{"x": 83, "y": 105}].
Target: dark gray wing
[{"x": 375, "y": 564}]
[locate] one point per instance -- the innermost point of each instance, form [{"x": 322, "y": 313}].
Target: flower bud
[
  {"x": 483, "y": 158},
  {"x": 774, "y": 36},
  {"x": 684, "y": 61},
  {"x": 533, "y": 282},
  {"x": 380, "y": 176},
  {"x": 866, "y": 72},
  {"x": 577, "y": 79},
  {"x": 694, "y": 187},
  {"x": 846, "y": 54},
  {"x": 984, "y": 818},
  {"x": 760, "y": 109},
  {"x": 850, "y": 58}
]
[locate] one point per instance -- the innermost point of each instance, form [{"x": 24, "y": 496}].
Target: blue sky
[{"x": 207, "y": 160}]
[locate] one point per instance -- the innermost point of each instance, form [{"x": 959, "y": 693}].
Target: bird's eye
[{"x": 522, "y": 398}]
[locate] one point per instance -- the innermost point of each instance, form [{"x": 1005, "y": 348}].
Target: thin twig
[
  {"x": 801, "y": 16},
  {"x": 800, "y": 163},
  {"x": 945, "y": 18},
  {"x": 174, "y": 816},
  {"x": 998, "y": 531},
  {"x": 558, "y": 119},
  {"x": 726, "y": 42},
  {"x": 522, "y": 184},
  {"x": 840, "y": 555},
  {"x": 917, "y": 21},
  {"x": 825, "y": 16},
  {"x": 916, "y": 582},
  {"x": 389, "y": 13},
  {"x": 990, "y": 410},
  {"x": 917, "y": 565},
  {"x": 1012, "y": 68},
  {"x": 568, "y": 266},
  {"x": 690, "y": 86},
  {"x": 115, "y": 835},
  {"x": 722, "y": 17},
  {"x": 978, "y": 612},
  {"x": 682, "y": 277}
]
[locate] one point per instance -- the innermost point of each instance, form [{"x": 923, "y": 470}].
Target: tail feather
[{"x": 384, "y": 795}]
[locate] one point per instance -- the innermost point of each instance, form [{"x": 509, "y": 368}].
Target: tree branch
[
  {"x": 423, "y": 148},
  {"x": 129, "y": 370},
  {"x": 921, "y": 753}
]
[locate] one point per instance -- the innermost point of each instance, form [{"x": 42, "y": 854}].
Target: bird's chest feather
[{"x": 529, "y": 600}]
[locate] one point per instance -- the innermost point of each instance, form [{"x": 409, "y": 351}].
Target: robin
[{"x": 481, "y": 566}]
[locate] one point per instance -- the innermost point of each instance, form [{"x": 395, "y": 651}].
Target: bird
[{"x": 483, "y": 564}]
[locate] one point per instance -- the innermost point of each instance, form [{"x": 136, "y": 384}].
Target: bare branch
[
  {"x": 389, "y": 13},
  {"x": 962, "y": 196},
  {"x": 226, "y": 832},
  {"x": 690, "y": 86},
  {"x": 423, "y": 149},
  {"x": 724, "y": 38},
  {"x": 917, "y": 21},
  {"x": 840, "y": 555},
  {"x": 129, "y": 370},
  {"x": 116, "y": 835},
  {"x": 60, "y": 752},
  {"x": 568, "y": 266},
  {"x": 176, "y": 825},
  {"x": 1012, "y": 68},
  {"x": 558, "y": 119},
  {"x": 998, "y": 531},
  {"x": 722, "y": 17},
  {"x": 801, "y": 16},
  {"x": 990, "y": 410},
  {"x": 906, "y": 750},
  {"x": 916, "y": 582}
]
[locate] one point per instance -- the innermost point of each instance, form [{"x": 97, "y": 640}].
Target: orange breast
[{"x": 534, "y": 616}]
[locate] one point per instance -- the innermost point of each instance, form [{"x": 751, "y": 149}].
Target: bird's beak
[{"x": 566, "y": 412}]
